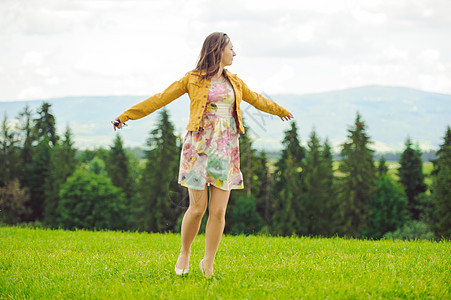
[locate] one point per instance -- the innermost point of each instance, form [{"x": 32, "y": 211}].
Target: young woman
[{"x": 210, "y": 154}]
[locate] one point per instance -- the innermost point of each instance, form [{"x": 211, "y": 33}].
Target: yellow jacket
[{"x": 198, "y": 93}]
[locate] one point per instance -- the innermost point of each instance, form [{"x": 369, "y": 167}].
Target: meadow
[{"x": 47, "y": 264}]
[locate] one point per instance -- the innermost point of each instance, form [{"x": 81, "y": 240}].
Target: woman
[{"x": 210, "y": 154}]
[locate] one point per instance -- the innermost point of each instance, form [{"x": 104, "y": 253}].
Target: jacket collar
[{"x": 194, "y": 72}]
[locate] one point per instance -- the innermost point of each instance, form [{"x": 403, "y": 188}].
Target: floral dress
[{"x": 212, "y": 155}]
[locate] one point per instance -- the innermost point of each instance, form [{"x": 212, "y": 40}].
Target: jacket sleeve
[
  {"x": 263, "y": 103},
  {"x": 156, "y": 101}
]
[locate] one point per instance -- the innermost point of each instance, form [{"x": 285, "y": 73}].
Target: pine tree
[
  {"x": 62, "y": 165},
  {"x": 243, "y": 216},
  {"x": 359, "y": 181},
  {"x": 247, "y": 164},
  {"x": 382, "y": 168},
  {"x": 159, "y": 191},
  {"x": 45, "y": 125},
  {"x": 263, "y": 187},
  {"x": 288, "y": 187},
  {"x": 333, "y": 205},
  {"x": 328, "y": 158},
  {"x": 118, "y": 168},
  {"x": 292, "y": 145},
  {"x": 319, "y": 196},
  {"x": 442, "y": 189},
  {"x": 286, "y": 217},
  {"x": 412, "y": 178},
  {"x": 9, "y": 153},
  {"x": 254, "y": 173},
  {"x": 37, "y": 173},
  {"x": 44, "y": 132},
  {"x": 388, "y": 205},
  {"x": 25, "y": 119}
]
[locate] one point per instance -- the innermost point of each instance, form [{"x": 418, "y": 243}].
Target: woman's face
[{"x": 227, "y": 55}]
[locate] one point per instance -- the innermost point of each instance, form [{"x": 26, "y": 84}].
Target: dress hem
[{"x": 239, "y": 187}]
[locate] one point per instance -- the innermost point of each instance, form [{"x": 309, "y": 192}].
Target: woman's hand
[
  {"x": 287, "y": 117},
  {"x": 117, "y": 124}
]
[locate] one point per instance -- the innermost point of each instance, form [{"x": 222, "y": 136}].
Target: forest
[{"x": 306, "y": 191}]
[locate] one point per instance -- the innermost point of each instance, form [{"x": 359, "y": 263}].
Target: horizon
[
  {"x": 282, "y": 94},
  {"x": 376, "y": 153},
  {"x": 407, "y": 112}
]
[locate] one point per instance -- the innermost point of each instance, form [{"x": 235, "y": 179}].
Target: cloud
[
  {"x": 33, "y": 58},
  {"x": 273, "y": 30},
  {"x": 102, "y": 47},
  {"x": 33, "y": 18},
  {"x": 379, "y": 146},
  {"x": 32, "y": 92}
]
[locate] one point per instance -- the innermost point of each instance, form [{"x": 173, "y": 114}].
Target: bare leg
[
  {"x": 191, "y": 223},
  {"x": 215, "y": 226}
]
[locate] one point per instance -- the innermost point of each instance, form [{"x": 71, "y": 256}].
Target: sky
[{"x": 59, "y": 48}]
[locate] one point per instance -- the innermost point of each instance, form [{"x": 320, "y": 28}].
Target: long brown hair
[{"x": 211, "y": 54}]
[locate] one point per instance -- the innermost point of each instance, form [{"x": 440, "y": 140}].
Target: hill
[{"x": 391, "y": 113}]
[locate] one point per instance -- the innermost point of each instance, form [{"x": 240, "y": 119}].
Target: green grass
[{"x": 48, "y": 264}]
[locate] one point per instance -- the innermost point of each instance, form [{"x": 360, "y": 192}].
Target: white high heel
[
  {"x": 201, "y": 267},
  {"x": 181, "y": 272}
]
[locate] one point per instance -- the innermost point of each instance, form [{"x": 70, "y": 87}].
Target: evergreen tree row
[{"x": 46, "y": 180}]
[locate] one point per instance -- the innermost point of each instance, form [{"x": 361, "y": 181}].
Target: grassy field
[{"x": 46, "y": 264}]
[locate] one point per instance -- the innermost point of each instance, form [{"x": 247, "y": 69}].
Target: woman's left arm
[{"x": 264, "y": 104}]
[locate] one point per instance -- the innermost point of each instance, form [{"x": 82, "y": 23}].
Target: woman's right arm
[
  {"x": 156, "y": 101},
  {"x": 264, "y": 104}
]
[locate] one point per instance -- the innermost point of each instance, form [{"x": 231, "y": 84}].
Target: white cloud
[
  {"x": 379, "y": 146},
  {"x": 44, "y": 71},
  {"x": 52, "y": 81},
  {"x": 395, "y": 54},
  {"x": 32, "y": 92},
  {"x": 426, "y": 146},
  {"x": 429, "y": 56},
  {"x": 33, "y": 58},
  {"x": 127, "y": 47},
  {"x": 368, "y": 17}
]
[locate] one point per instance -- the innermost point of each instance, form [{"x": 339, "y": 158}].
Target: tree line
[{"x": 46, "y": 181}]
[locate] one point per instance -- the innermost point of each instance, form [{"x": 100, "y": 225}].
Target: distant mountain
[{"x": 391, "y": 114}]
